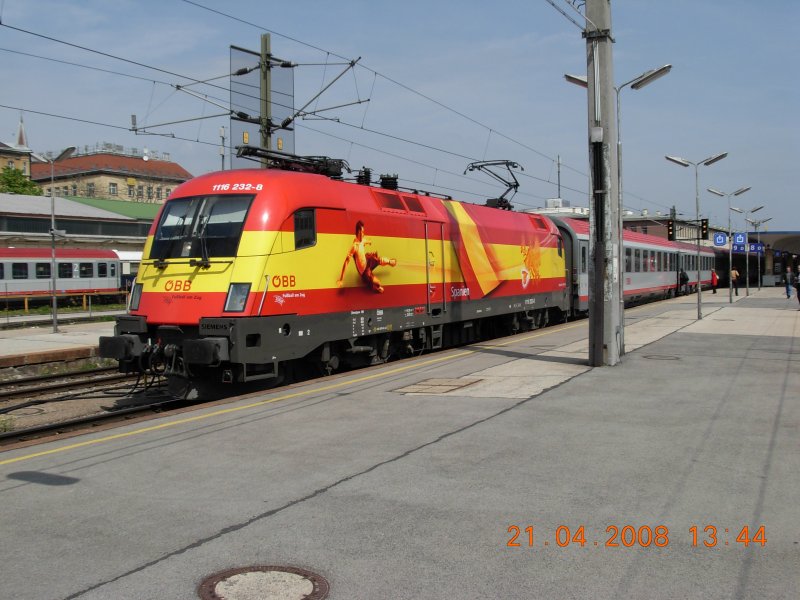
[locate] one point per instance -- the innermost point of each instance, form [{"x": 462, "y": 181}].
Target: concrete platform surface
[{"x": 503, "y": 470}]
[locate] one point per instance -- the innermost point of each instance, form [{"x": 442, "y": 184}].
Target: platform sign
[
  {"x": 738, "y": 247},
  {"x": 739, "y": 238},
  {"x": 720, "y": 239},
  {"x": 757, "y": 248}
]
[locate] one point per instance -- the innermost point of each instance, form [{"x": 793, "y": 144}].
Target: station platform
[
  {"x": 32, "y": 342},
  {"x": 507, "y": 469}
]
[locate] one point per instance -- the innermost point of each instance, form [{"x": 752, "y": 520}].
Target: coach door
[{"x": 434, "y": 268}]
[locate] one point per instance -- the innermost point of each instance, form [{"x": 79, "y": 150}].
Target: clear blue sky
[{"x": 496, "y": 71}]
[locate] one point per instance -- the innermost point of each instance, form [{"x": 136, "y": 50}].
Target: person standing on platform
[
  {"x": 683, "y": 279},
  {"x": 797, "y": 284},
  {"x": 788, "y": 281},
  {"x": 735, "y": 279},
  {"x": 714, "y": 280}
]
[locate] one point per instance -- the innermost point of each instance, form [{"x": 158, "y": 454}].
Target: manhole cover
[
  {"x": 662, "y": 357},
  {"x": 264, "y": 583}
]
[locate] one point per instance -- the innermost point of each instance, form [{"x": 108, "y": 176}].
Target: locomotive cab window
[
  {"x": 305, "y": 230},
  {"x": 201, "y": 226}
]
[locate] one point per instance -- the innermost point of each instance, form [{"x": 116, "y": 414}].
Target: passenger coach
[{"x": 28, "y": 271}]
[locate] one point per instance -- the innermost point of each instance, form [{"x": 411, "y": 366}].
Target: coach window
[
  {"x": 305, "y": 231},
  {"x": 628, "y": 260},
  {"x": 102, "y": 270},
  {"x": 86, "y": 270},
  {"x": 42, "y": 270},
  {"x": 2, "y": 271},
  {"x": 637, "y": 260},
  {"x": 114, "y": 269},
  {"x": 19, "y": 270},
  {"x": 65, "y": 270},
  {"x": 584, "y": 257}
]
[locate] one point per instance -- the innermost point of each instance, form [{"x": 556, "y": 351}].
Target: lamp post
[
  {"x": 730, "y": 233},
  {"x": 64, "y": 154},
  {"x": 685, "y": 163},
  {"x": 757, "y": 225},
  {"x": 747, "y": 248},
  {"x": 636, "y": 83},
  {"x": 741, "y": 212}
]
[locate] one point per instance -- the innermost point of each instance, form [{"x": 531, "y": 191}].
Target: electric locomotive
[{"x": 247, "y": 272}]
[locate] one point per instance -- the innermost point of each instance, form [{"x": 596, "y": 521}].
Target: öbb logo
[
  {"x": 178, "y": 285},
  {"x": 283, "y": 281}
]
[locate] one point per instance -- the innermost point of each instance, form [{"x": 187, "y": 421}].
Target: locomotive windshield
[{"x": 201, "y": 227}]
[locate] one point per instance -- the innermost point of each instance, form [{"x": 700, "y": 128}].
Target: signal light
[
  {"x": 704, "y": 228},
  {"x": 671, "y": 230}
]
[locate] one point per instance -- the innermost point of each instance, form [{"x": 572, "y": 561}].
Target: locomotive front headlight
[
  {"x": 136, "y": 296},
  {"x": 237, "y": 297}
]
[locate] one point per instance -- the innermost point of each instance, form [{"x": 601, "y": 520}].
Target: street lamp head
[
  {"x": 738, "y": 210},
  {"x": 756, "y": 209},
  {"x": 650, "y": 76},
  {"x": 65, "y": 153},
  {"x": 716, "y": 192},
  {"x": 712, "y": 159},
  {"x": 678, "y": 161},
  {"x": 577, "y": 80},
  {"x": 741, "y": 190}
]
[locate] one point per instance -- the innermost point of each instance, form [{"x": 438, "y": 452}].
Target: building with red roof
[{"x": 111, "y": 173}]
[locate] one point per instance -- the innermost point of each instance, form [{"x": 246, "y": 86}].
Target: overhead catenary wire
[
  {"x": 376, "y": 74},
  {"x": 141, "y": 130}
]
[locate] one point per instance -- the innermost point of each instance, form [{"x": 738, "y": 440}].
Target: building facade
[{"x": 112, "y": 175}]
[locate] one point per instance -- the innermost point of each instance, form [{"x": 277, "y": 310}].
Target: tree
[{"x": 12, "y": 180}]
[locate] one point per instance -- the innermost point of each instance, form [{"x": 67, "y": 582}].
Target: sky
[{"x": 447, "y": 83}]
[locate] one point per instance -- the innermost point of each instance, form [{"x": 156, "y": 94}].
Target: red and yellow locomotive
[{"x": 247, "y": 271}]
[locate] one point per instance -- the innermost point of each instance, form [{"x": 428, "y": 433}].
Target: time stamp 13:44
[{"x": 629, "y": 536}]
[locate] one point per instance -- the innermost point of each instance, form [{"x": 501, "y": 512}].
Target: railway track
[
  {"x": 39, "y": 407},
  {"x": 43, "y": 433},
  {"x": 47, "y": 385}
]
